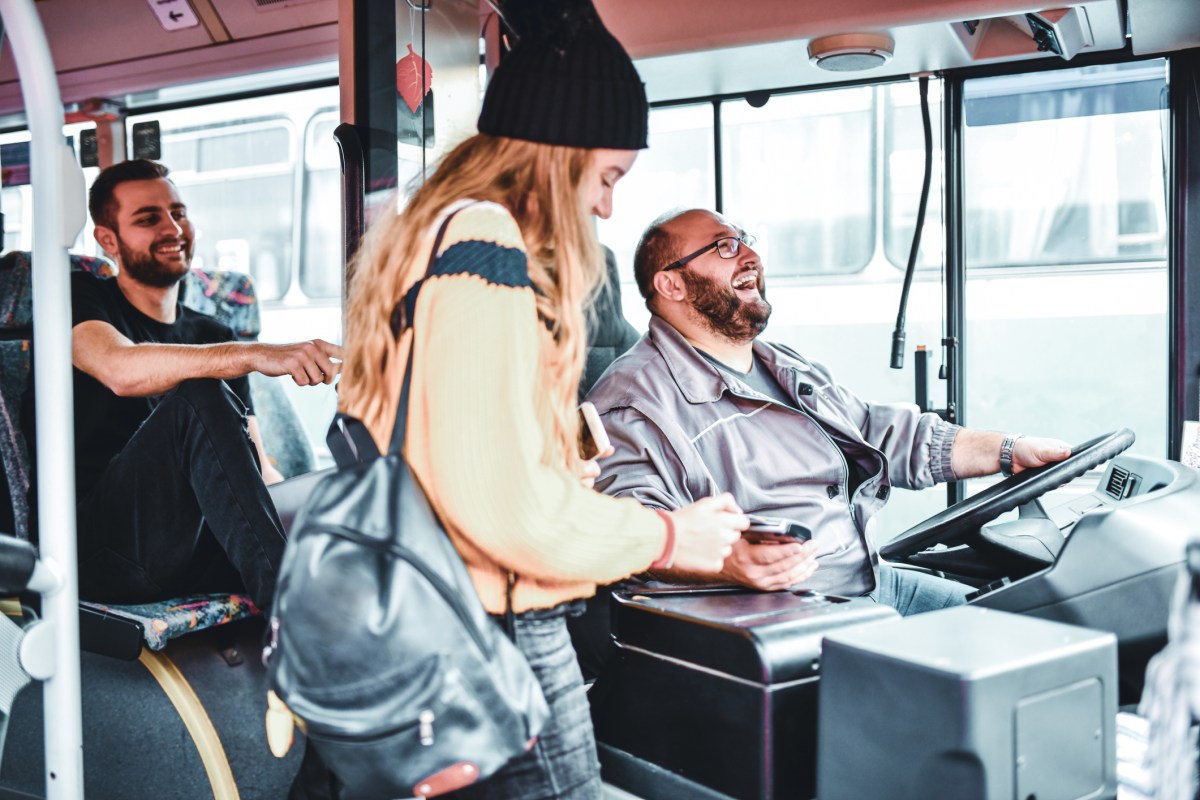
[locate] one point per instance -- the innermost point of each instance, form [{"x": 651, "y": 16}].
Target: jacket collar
[{"x": 698, "y": 379}]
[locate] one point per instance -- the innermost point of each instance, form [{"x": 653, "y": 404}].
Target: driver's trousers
[{"x": 912, "y": 592}]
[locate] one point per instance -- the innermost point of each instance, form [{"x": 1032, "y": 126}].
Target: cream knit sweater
[{"x": 478, "y": 423}]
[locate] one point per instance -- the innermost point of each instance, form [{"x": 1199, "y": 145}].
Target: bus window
[
  {"x": 799, "y": 174},
  {"x": 239, "y": 181},
  {"x": 321, "y": 254},
  {"x": 260, "y": 180},
  {"x": 16, "y": 194},
  {"x": 239, "y": 165},
  {"x": 17, "y": 204},
  {"x": 1066, "y": 253},
  {"x": 675, "y": 172},
  {"x": 904, "y": 169},
  {"x": 1089, "y": 185}
]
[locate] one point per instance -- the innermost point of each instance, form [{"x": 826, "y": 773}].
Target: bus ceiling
[
  {"x": 111, "y": 50},
  {"x": 684, "y": 48},
  {"x": 769, "y": 43}
]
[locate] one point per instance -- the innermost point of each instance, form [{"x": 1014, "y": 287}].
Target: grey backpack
[{"x": 379, "y": 642}]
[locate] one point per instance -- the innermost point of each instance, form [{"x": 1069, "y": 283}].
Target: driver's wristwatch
[{"x": 1006, "y": 453}]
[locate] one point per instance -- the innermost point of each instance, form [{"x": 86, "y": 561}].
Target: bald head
[
  {"x": 663, "y": 242},
  {"x": 699, "y": 272}
]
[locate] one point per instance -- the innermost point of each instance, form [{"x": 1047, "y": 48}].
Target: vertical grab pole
[{"x": 57, "y": 220}]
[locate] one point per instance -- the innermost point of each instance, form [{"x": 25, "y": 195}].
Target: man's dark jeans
[{"x": 182, "y": 508}]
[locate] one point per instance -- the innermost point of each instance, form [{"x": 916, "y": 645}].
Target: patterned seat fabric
[
  {"x": 16, "y": 330},
  {"x": 164, "y": 621},
  {"x": 228, "y": 296}
]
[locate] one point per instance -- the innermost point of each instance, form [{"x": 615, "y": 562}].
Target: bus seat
[
  {"x": 609, "y": 336},
  {"x": 16, "y": 314},
  {"x": 168, "y": 619},
  {"x": 182, "y": 722},
  {"x": 150, "y": 694},
  {"x": 16, "y": 329},
  {"x": 231, "y": 298},
  {"x": 609, "y": 333}
]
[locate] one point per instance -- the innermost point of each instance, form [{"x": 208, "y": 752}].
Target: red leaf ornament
[{"x": 409, "y": 73}]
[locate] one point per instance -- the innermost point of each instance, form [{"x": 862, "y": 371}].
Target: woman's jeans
[{"x": 563, "y": 763}]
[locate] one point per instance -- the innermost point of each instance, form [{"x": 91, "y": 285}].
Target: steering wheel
[{"x": 1006, "y": 495}]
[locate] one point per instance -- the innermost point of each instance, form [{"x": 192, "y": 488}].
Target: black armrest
[
  {"x": 17, "y": 560},
  {"x": 109, "y": 635}
]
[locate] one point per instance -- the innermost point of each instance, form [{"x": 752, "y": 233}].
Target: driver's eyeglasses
[{"x": 726, "y": 247}]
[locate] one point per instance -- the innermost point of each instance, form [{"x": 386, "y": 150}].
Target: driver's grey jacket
[{"x": 683, "y": 430}]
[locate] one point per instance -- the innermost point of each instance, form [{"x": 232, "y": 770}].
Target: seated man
[
  {"x": 168, "y": 459},
  {"x": 701, "y": 406}
]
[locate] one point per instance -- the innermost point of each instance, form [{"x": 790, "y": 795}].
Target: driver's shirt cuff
[{"x": 941, "y": 450}]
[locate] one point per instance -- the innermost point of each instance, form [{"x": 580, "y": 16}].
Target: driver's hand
[
  {"x": 1035, "y": 451},
  {"x": 770, "y": 566}
]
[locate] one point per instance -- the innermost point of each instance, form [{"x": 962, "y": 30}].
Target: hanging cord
[
  {"x": 1172, "y": 697},
  {"x": 898, "y": 335}
]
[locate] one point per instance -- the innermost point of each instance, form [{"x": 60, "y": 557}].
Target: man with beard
[
  {"x": 169, "y": 462},
  {"x": 701, "y": 405}
]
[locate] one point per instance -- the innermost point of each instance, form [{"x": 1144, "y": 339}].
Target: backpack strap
[
  {"x": 348, "y": 439},
  {"x": 402, "y": 314},
  {"x": 402, "y": 317},
  {"x": 350, "y": 442}
]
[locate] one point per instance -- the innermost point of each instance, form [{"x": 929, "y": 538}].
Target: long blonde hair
[{"x": 540, "y": 185}]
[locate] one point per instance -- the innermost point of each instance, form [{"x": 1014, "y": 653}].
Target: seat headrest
[
  {"x": 228, "y": 296},
  {"x": 16, "y": 292}
]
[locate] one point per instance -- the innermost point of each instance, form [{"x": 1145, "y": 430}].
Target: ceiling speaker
[{"x": 851, "y": 52}]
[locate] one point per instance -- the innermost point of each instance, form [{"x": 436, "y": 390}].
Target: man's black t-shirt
[{"x": 104, "y": 422}]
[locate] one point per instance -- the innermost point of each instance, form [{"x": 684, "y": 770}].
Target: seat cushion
[{"x": 163, "y": 621}]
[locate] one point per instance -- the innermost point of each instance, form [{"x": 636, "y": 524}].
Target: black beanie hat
[{"x": 567, "y": 81}]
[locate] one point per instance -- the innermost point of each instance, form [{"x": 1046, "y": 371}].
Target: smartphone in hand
[
  {"x": 775, "y": 529},
  {"x": 594, "y": 439}
]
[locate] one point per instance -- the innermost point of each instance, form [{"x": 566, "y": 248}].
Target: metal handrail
[{"x": 57, "y": 220}]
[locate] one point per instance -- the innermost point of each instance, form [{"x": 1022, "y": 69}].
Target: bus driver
[
  {"x": 700, "y": 406},
  {"x": 169, "y": 463}
]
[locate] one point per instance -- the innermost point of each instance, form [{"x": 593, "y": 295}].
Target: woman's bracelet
[{"x": 668, "y": 554}]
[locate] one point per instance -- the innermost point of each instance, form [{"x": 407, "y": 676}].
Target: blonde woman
[{"x": 497, "y": 339}]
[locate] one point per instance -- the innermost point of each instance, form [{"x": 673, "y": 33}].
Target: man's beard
[
  {"x": 145, "y": 268},
  {"x": 723, "y": 311}
]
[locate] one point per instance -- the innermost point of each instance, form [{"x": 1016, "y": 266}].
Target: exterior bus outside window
[{"x": 1066, "y": 252}]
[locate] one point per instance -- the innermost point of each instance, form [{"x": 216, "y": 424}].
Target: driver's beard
[
  {"x": 723, "y": 312},
  {"x": 148, "y": 270}
]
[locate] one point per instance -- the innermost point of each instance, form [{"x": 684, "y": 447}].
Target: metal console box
[
  {"x": 971, "y": 703},
  {"x": 716, "y": 689}
]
